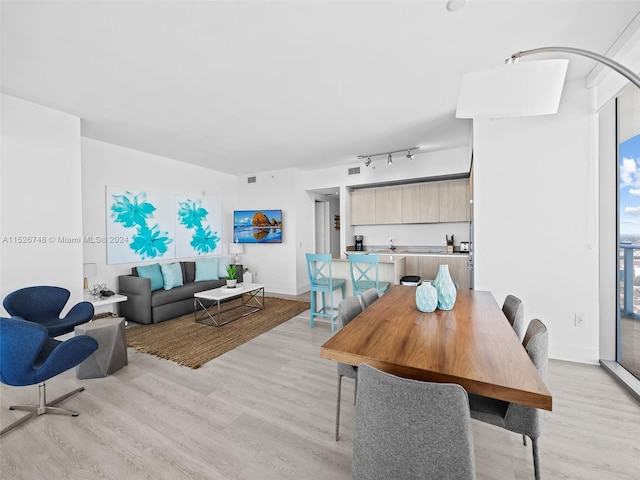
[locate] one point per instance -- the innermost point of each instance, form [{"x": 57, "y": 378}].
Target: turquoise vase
[
  {"x": 426, "y": 297},
  {"x": 446, "y": 288}
]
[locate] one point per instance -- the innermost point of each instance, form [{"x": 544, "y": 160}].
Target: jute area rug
[{"x": 192, "y": 344}]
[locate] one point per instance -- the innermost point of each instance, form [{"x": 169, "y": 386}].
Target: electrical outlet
[{"x": 579, "y": 320}]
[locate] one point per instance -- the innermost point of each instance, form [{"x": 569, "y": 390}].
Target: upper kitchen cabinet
[
  {"x": 454, "y": 201},
  {"x": 411, "y": 204},
  {"x": 363, "y": 206},
  {"x": 388, "y": 205},
  {"x": 430, "y": 200}
]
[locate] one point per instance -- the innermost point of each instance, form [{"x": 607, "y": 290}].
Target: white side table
[{"x": 105, "y": 304}]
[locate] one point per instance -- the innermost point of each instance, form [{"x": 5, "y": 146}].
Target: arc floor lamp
[
  {"x": 531, "y": 88},
  {"x": 523, "y": 89}
]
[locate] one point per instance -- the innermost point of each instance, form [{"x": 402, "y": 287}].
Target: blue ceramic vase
[
  {"x": 446, "y": 288},
  {"x": 426, "y": 297}
]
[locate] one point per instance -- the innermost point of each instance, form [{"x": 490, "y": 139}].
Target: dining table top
[{"x": 472, "y": 345}]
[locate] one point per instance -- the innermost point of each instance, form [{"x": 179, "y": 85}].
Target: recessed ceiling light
[{"x": 455, "y": 5}]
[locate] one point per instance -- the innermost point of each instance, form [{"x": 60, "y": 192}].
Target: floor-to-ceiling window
[{"x": 628, "y": 322}]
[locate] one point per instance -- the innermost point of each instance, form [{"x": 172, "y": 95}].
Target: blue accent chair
[
  {"x": 43, "y": 305},
  {"x": 365, "y": 274},
  {"x": 29, "y": 356},
  {"x": 322, "y": 281}
]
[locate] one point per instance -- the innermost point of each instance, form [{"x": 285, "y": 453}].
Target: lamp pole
[{"x": 621, "y": 69}]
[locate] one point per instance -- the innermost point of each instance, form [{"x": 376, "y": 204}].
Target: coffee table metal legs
[{"x": 251, "y": 301}]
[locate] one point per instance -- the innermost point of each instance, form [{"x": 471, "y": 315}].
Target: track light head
[{"x": 389, "y": 155}]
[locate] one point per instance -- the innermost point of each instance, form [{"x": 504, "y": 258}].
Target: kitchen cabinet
[
  {"x": 411, "y": 204},
  {"x": 388, "y": 205},
  {"x": 458, "y": 268},
  {"x": 454, "y": 201},
  {"x": 430, "y": 202},
  {"x": 413, "y": 265},
  {"x": 363, "y": 206}
]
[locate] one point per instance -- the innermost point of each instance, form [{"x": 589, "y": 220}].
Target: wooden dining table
[{"x": 472, "y": 345}]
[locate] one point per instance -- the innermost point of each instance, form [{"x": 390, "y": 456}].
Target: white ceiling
[{"x": 243, "y": 87}]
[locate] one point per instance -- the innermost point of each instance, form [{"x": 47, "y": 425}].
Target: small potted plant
[{"x": 232, "y": 275}]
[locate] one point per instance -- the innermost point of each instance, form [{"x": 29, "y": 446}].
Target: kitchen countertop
[
  {"x": 384, "y": 258},
  {"x": 408, "y": 251}
]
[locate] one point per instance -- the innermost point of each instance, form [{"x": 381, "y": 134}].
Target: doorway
[{"x": 327, "y": 220}]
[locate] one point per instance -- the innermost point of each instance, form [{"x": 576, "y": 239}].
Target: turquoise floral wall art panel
[
  {"x": 152, "y": 226},
  {"x": 198, "y": 228},
  {"x": 143, "y": 224}
]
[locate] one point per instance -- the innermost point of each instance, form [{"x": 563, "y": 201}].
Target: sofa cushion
[
  {"x": 172, "y": 275},
  {"x": 163, "y": 297},
  {"x": 189, "y": 270},
  {"x": 207, "y": 269},
  {"x": 152, "y": 272}
]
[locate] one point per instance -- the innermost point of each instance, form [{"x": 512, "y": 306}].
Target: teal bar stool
[
  {"x": 319, "y": 267},
  {"x": 365, "y": 274}
]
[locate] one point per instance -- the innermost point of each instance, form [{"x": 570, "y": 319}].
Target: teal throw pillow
[
  {"x": 153, "y": 273},
  {"x": 207, "y": 269},
  {"x": 172, "y": 275}
]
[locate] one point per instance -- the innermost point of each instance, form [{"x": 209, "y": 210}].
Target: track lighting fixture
[{"x": 389, "y": 155}]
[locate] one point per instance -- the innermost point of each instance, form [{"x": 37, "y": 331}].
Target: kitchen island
[
  {"x": 424, "y": 261},
  {"x": 392, "y": 269}
]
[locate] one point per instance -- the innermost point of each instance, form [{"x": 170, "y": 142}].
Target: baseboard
[
  {"x": 573, "y": 353},
  {"x": 626, "y": 379}
]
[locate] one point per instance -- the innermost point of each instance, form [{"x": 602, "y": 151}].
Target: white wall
[
  {"x": 105, "y": 164},
  {"x": 424, "y": 165},
  {"x": 276, "y": 265},
  {"x": 40, "y": 198},
  {"x": 535, "y": 203}
]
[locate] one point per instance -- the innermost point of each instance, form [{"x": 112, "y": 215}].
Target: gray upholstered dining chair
[
  {"x": 514, "y": 311},
  {"x": 348, "y": 309},
  {"x": 369, "y": 296},
  {"x": 410, "y": 429},
  {"x": 511, "y": 416}
]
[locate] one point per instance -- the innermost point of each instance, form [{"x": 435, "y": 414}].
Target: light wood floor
[{"x": 266, "y": 410}]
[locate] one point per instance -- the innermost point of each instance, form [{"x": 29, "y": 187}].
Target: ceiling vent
[
  {"x": 251, "y": 179},
  {"x": 354, "y": 171}
]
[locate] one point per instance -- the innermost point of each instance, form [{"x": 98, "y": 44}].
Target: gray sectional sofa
[{"x": 146, "y": 306}]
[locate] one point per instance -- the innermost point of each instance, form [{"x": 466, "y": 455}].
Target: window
[{"x": 628, "y": 322}]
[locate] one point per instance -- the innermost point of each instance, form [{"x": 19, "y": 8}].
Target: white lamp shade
[
  {"x": 512, "y": 90},
  {"x": 236, "y": 248},
  {"x": 89, "y": 269}
]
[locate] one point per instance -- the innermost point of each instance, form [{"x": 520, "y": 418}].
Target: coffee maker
[{"x": 359, "y": 243}]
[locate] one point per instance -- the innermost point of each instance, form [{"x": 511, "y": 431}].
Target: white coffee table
[{"x": 251, "y": 303}]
